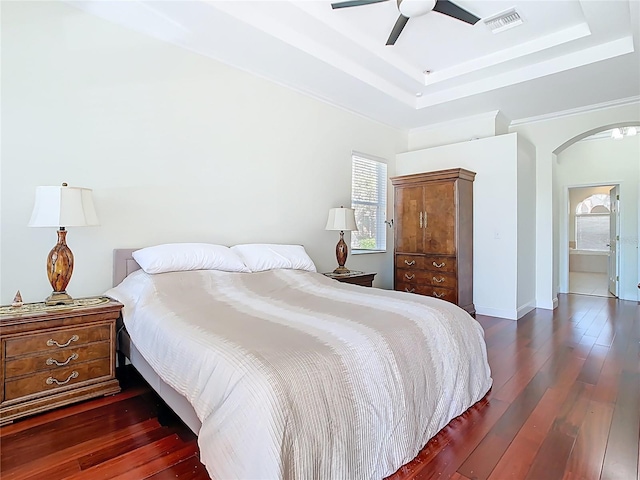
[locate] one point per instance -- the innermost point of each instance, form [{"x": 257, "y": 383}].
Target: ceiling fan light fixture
[
  {"x": 504, "y": 21},
  {"x": 415, "y": 8}
]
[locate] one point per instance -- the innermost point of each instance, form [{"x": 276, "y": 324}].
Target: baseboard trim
[
  {"x": 526, "y": 308},
  {"x": 497, "y": 312}
]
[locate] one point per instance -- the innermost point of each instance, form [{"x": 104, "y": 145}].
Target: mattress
[{"x": 294, "y": 375}]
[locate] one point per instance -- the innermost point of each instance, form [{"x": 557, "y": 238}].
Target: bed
[{"x": 285, "y": 373}]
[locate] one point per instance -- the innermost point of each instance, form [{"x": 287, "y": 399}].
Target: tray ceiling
[{"x": 565, "y": 55}]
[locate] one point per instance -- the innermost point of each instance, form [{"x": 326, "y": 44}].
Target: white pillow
[
  {"x": 177, "y": 257},
  {"x": 259, "y": 257}
]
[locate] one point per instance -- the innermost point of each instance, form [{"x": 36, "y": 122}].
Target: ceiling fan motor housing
[{"x": 415, "y": 8}]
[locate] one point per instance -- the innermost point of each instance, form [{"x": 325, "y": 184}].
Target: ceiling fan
[{"x": 415, "y": 8}]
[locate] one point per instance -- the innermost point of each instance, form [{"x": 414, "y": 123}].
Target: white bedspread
[{"x": 297, "y": 376}]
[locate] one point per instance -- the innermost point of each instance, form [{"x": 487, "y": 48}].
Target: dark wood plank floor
[{"x": 565, "y": 404}]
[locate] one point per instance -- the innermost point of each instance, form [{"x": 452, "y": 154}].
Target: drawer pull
[
  {"x": 438, "y": 280},
  {"x": 51, "y": 380},
  {"x": 51, "y": 342},
  {"x": 438, "y": 295},
  {"x": 438, "y": 265},
  {"x": 409, "y": 277},
  {"x": 412, "y": 262},
  {"x": 409, "y": 291},
  {"x": 51, "y": 361}
]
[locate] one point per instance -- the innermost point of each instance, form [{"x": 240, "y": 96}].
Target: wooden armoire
[{"x": 433, "y": 253}]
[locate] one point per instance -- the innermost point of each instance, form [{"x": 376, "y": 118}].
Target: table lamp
[
  {"x": 342, "y": 219},
  {"x": 62, "y": 207}
]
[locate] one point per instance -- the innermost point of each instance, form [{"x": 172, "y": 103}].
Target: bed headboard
[{"x": 123, "y": 264}]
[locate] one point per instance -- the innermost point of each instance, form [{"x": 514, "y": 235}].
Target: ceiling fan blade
[
  {"x": 453, "y": 10},
  {"x": 354, "y": 3},
  {"x": 397, "y": 29}
]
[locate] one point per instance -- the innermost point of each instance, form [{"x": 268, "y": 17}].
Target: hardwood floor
[{"x": 565, "y": 404}]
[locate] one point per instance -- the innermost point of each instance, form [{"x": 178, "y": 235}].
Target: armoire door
[
  {"x": 439, "y": 218},
  {"x": 409, "y": 210}
]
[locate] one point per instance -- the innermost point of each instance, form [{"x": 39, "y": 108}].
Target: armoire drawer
[
  {"x": 450, "y": 295},
  {"x": 443, "y": 293},
  {"x": 426, "y": 277},
  {"x": 439, "y": 263},
  {"x": 440, "y": 279},
  {"x": 411, "y": 262}
]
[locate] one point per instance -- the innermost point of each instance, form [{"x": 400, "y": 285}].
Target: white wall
[
  {"x": 495, "y": 212},
  {"x": 550, "y": 136},
  {"x": 526, "y": 200},
  {"x": 177, "y": 147},
  {"x": 612, "y": 162},
  {"x": 485, "y": 125}
]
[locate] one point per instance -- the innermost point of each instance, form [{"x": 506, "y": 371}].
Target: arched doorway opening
[{"x": 594, "y": 163}]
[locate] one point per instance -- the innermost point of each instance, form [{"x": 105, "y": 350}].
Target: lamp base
[
  {"x": 341, "y": 256},
  {"x": 58, "y": 298},
  {"x": 342, "y": 271},
  {"x": 59, "y": 270}
]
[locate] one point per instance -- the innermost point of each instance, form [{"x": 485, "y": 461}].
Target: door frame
[
  {"x": 615, "y": 241},
  {"x": 564, "y": 233}
]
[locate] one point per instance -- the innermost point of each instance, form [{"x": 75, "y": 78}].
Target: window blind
[{"x": 369, "y": 200}]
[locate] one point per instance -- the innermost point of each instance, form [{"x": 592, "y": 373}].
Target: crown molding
[{"x": 577, "y": 111}]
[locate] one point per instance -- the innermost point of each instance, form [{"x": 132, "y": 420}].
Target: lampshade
[
  {"x": 63, "y": 206},
  {"x": 343, "y": 219}
]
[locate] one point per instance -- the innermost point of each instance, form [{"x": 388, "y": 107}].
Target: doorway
[{"x": 593, "y": 233}]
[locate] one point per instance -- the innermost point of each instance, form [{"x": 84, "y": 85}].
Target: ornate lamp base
[
  {"x": 341, "y": 256},
  {"x": 59, "y": 270},
  {"x": 57, "y": 298},
  {"x": 341, "y": 271}
]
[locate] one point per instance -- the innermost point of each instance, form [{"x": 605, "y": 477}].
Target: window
[
  {"x": 369, "y": 200},
  {"x": 592, "y": 223}
]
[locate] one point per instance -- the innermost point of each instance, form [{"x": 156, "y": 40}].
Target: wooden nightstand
[
  {"x": 56, "y": 355},
  {"x": 357, "y": 278}
]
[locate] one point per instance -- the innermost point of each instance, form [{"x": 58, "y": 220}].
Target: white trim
[
  {"x": 547, "y": 304},
  {"x": 526, "y": 308},
  {"x": 576, "y": 111},
  {"x": 507, "y": 314},
  {"x": 497, "y": 312}
]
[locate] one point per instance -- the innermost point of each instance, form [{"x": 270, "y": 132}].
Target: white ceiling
[{"x": 566, "y": 55}]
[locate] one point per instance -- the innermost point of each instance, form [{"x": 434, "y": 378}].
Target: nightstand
[
  {"x": 56, "y": 355},
  {"x": 356, "y": 278}
]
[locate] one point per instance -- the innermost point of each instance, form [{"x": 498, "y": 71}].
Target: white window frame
[{"x": 380, "y": 204}]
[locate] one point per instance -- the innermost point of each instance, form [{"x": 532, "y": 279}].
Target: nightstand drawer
[
  {"x": 56, "y": 340},
  {"x": 47, "y": 381},
  {"x": 52, "y": 360}
]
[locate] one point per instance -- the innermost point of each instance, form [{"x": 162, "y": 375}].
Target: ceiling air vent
[{"x": 503, "y": 21}]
